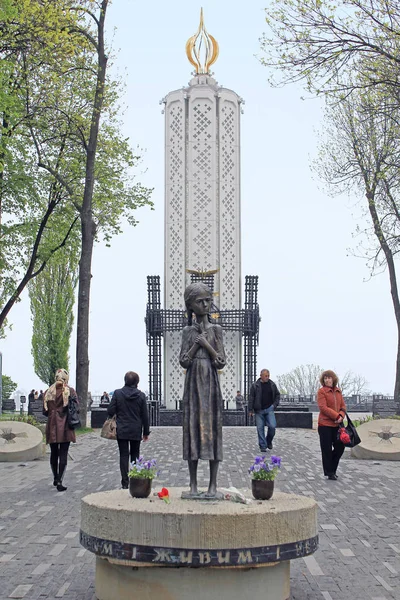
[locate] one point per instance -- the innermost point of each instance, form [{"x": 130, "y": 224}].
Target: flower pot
[
  {"x": 262, "y": 489},
  {"x": 139, "y": 488}
]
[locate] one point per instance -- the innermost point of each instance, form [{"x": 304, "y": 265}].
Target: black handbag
[
  {"x": 73, "y": 419},
  {"x": 348, "y": 435}
]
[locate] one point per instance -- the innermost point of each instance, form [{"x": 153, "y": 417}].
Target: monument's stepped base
[
  {"x": 195, "y": 549},
  {"x": 159, "y": 583}
]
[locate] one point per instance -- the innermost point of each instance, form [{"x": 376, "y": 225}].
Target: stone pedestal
[
  {"x": 196, "y": 550},
  {"x": 380, "y": 440},
  {"x": 20, "y": 442},
  {"x": 114, "y": 581}
]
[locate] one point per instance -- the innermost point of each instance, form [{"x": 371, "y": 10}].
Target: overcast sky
[{"x": 315, "y": 301}]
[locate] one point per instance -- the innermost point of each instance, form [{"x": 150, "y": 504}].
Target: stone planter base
[{"x": 161, "y": 583}]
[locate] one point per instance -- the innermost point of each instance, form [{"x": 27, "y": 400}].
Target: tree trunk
[
  {"x": 88, "y": 228},
  {"x": 393, "y": 286},
  {"x": 397, "y": 380}
]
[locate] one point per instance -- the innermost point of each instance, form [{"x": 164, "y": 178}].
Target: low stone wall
[
  {"x": 35, "y": 409},
  {"x": 300, "y": 420},
  {"x": 230, "y": 418},
  {"x": 170, "y": 418},
  {"x": 97, "y": 417},
  {"x": 8, "y": 405},
  {"x": 236, "y": 418}
]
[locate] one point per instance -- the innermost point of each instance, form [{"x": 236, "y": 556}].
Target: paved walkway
[{"x": 359, "y": 515}]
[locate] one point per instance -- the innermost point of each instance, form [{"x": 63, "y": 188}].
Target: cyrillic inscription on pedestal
[{"x": 198, "y": 558}]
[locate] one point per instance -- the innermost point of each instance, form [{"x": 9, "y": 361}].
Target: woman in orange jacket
[{"x": 332, "y": 411}]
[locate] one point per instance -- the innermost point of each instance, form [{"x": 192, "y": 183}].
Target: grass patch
[
  {"x": 25, "y": 419},
  {"x": 21, "y": 418},
  {"x": 358, "y": 422},
  {"x": 42, "y": 426},
  {"x": 82, "y": 430}
]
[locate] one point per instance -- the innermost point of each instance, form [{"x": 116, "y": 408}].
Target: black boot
[
  {"x": 60, "y": 486},
  {"x": 55, "y": 474}
]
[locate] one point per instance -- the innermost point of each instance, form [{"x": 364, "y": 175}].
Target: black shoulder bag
[
  {"x": 73, "y": 419},
  {"x": 348, "y": 435}
]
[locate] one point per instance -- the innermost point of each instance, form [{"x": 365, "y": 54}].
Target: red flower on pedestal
[{"x": 164, "y": 495}]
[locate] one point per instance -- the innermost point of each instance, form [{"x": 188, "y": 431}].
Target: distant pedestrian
[
  {"x": 130, "y": 406},
  {"x": 240, "y": 402},
  {"x": 58, "y": 434},
  {"x": 36, "y": 396},
  {"x": 31, "y": 396},
  {"x": 41, "y": 396},
  {"x": 263, "y": 399},
  {"x": 332, "y": 411},
  {"x": 105, "y": 399}
]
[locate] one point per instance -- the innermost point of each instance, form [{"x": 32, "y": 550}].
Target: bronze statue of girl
[{"x": 202, "y": 354}]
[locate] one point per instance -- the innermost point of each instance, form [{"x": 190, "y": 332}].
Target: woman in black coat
[{"x": 130, "y": 406}]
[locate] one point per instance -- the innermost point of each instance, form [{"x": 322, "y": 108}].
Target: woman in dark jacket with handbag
[
  {"x": 58, "y": 434},
  {"x": 332, "y": 411},
  {"x": 130, "y": 406}
]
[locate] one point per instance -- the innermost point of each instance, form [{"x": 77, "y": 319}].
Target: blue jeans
[{"x": 265, "y": 418}]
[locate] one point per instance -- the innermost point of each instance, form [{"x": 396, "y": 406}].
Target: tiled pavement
[{"x": 359, "y": 515}]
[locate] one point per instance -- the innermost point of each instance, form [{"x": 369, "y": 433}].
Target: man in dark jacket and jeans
[
  {"x": 130, "y": 406},
  {"x": 264, "y": 398}
]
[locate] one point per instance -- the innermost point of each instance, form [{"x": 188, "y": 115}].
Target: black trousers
[
  {"x": 58, "y": 459},
  {"x": 127, "y": 447},
  {"x": 331, "y": 448}
]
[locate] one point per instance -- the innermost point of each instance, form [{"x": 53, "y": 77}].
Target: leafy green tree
[
  {"x": 52, "y": 296},
  {"x": 35, "y": 37},
  {"x": 62, "y": 96},
  {"x": 8, "y": 387}
]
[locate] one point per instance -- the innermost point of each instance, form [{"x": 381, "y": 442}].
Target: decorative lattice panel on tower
[
  {"x": 230, "y": 378},
  {"x": 174, "y": 375},
  {"x": 201, "y": 247},
  {"x": 229, "y": 224},
  {"x": 175, "y": 202}
]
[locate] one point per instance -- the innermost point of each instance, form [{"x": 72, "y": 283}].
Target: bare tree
[
  {"x": 301, "y": 381},
  {"x": 352, "y": 384},
  {"x": 304, "y": 381},
  {"x": 319, "y": 43},
  {"x": 360, "y": 151}
]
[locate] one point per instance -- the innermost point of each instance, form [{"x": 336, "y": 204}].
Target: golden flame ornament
[{"x": 202, "y": 49}]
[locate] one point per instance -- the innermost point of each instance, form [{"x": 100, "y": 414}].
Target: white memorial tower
[{"x": 202, "y": 207}]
